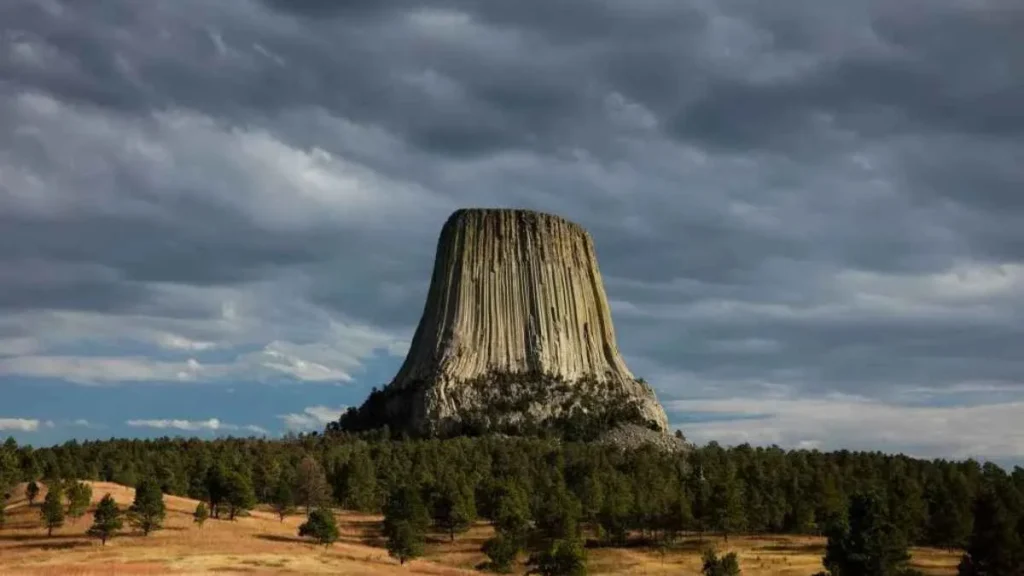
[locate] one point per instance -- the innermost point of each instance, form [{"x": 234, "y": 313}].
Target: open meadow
[{"x": 261, "y": 544}]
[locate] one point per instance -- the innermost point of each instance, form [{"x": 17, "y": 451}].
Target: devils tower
[{"x": 516, "y": 336}]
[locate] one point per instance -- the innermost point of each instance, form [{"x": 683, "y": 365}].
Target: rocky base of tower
[{"x": 510, "y": 403}]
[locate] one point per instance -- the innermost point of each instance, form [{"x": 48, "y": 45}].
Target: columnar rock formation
[{"x": 516, "y": 333}]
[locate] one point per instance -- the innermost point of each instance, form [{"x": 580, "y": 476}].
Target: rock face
[{"x": 516, "y": 334}]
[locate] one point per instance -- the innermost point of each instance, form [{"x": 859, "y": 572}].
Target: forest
[{"x": 552, "y": 499}]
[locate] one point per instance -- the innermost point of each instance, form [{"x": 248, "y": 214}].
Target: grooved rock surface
[{"x": 516, "y": 328}]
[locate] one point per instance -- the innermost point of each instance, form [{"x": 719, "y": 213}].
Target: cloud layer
[{"x": 807, "y": 202}]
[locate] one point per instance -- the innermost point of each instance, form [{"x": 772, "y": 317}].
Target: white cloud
[
  {"x": 20, "y": 424},
  {"x": 191, "y": 425},
  {"x": 213, "y": 425},
  {"x": 312, "y": 417},
  {"x": 18, "y": 346},
  {"x": 838, "y": 421}
]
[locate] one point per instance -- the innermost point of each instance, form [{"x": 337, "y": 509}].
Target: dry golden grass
[{"x": 260, "y": 544}]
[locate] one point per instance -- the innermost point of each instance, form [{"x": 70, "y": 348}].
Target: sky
[{"x": 219, "y": 217}]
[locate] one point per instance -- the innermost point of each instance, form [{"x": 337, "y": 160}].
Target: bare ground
[{"x": 261, "y": 544}]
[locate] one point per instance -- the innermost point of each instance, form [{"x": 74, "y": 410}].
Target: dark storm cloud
[{"x": 734, "y": 162}]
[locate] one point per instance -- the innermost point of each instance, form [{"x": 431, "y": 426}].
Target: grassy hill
[{"x": 261, "y": 544}]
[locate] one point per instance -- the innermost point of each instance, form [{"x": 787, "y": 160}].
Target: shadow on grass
[
  {"x": 791, "y": 548},
  {"x": 64, "y": 545},
  {"x": 279, "y": 538}
]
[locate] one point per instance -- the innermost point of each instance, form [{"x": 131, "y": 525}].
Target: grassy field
[{"x": 261, "y": 544}]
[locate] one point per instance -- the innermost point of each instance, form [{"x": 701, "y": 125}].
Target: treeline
[{"x": 612, "y": 495}]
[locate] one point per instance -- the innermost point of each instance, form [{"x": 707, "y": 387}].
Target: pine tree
[
  {"x": 282, "y": 499},
  {"x": 996, "y": 544},
  {"x": 405, "y": 541},
  {"x": 32, "y": 492},
  {"x": 239, "y": 494},
  {"x": 321, "y": 526},
  {"x": 106, "y": 521},
  {"x": 501, "y": 550},
  {"x": 405, "y": 523},
  {"x": 454, "y": 508},
  {"x": 358, "y": 483},
  {"x": 52, "y": 510},
  {"x": 79, "y": 497},
  {"x": 869, "y": 544},
  {"x": 147, "y": 512},
  {"x": 201, "y": 514},
  {"x": 726, "y": 504}
]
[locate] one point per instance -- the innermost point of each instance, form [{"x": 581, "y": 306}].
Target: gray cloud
[{"x": 810, "y": 197}]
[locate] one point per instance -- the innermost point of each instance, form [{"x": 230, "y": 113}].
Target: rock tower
[{"x": 516, "y": 335}]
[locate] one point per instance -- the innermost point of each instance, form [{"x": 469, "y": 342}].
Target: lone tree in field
[
  {"x": 321, "y": 526},
  {"x": 201, "y": 514},
  {"x": 147, "y": 511},
  {"x": 79, "y": 496},
  {"x": 240, "y": 494},
  {"x": 32, "y": 492},
  {"x": 283, "y": 499},
  {"x": 52, "y": 510},
  {"x": 107, "y": 520}
]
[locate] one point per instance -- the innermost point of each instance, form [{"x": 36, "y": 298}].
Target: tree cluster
[{"x": 546, "y": 496}]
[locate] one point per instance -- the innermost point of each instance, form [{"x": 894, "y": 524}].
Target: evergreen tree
[
  {"x": 282, "y": 499},
  {"x": 405, "y": 541},
  {"x": 405, "y": 523},
  {"x": 616, "y": 509},
  {"x": 869, "y": 544},
  {"x": 726, "y": 504},
  {"x": 357, "y": 489},
  {"x": 559, "y": 558},
  {"x": 501, "y": 550},
  {"x": 996, "y": 544},
  {"x": 453, "y": 508},
  {"x": 52, "y": 510},
  {"x": 32, "y": 492},
  {"x": 147, "y": 512},
  {"x": 79, "y": 497},
  {"x": 216, "y": 488},
  {"x": 106, "y": 521},
  {"x": 239, "y": 494},
  {"x": 201, "y": 514},
  {"x": 321, "y": 526}
]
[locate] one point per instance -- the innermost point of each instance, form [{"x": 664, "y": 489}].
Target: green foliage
[
  {"x": 713, "y": 565},
  {"x": 559, "y": 558},
  {"x": 201, "y": 514},
  {"x": 997, "y": 542},
  {"x": 147, "y": 511},
  {"x": 868, "y": 544},
  {"x": 283, "y": 499},
  {"x": 453, "y": 507},
  {"x": 356, "y": 485},
  {"x": 239, "y": 494},
  {"x": 52, "y": 510},
  {"x": 32, "y": 492},
  {"x": 106, "y": 520},
  {"x": 405, "y": 541},
  {"x": 321, "y": 526},
  {"x": 79, "y": 497},
  {"x": 501, "y": 550}
]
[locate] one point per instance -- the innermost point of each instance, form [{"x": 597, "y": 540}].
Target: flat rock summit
[{"x": 516, "y": 337}]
